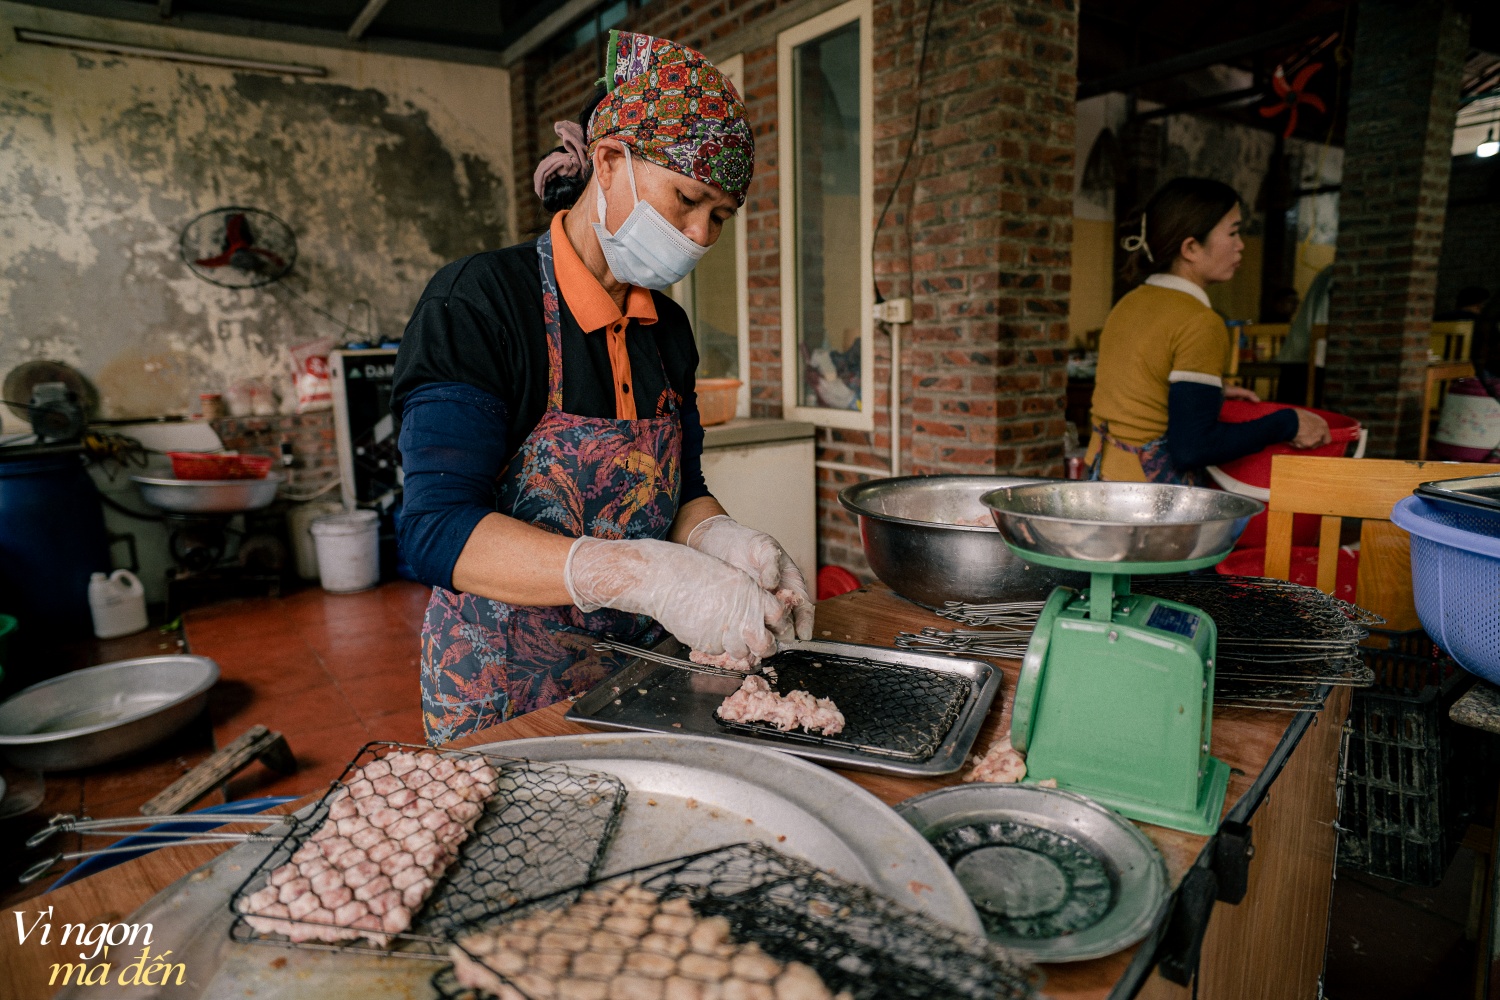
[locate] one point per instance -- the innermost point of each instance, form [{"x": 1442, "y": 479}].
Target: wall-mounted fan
[{"x": 238, "y": 247}]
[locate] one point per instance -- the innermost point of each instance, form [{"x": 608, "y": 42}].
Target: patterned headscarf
[{"x": 675, "y": 109}]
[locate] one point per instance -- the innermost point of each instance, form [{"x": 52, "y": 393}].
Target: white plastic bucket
[
  {"x": 299, "y": 524},
  {"x": 348, "y": 551}
]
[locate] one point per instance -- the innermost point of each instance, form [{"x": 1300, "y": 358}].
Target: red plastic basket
[
  {"x": 1252, "y": 562},
  {"x": 202, "y": 465}
]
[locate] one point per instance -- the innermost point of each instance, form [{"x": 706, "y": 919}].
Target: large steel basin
[
  {"x": 208, "y": 496},
  {"x": 102, "y": 713},
  {"x": 931, "y": 540}
]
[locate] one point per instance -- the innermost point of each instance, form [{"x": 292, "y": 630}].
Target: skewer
[
  {"x": 42, "y": 867},
  {"x": 67, "y": 823}
]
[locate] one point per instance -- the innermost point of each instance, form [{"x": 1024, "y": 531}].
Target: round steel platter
[
  {"x": 693, "y": 793},
  {"x": 1055, "y": 876},
  {"x": 706, "y": 793}
]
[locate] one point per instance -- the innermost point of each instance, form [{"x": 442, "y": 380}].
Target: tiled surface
[{"x": 329, "y": 671}]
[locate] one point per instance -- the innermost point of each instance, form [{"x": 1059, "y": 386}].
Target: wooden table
[{"x": 1271, "y": 944}]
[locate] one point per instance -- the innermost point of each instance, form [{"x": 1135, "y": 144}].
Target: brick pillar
[
  {"x": 990, "y": 222},
  {"x": 1403, "y": 96}
]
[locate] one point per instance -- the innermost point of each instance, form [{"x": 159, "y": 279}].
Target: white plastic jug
[
  {"x": 348, "y": 551},
  {"x": 118, "y": 604}
]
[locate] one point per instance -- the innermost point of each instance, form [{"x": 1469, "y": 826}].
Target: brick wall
[
  {"x": 1408, "y": 60},
  {"x": 315, "y": 460},
  {"x": 978, "y": 235}
]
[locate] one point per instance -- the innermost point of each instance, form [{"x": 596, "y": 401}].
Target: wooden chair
[
  {"x": 1366, "y": 488},
  {"x": 1317, "y": 357},
  {"x": 1257, "y": 368},
  {"x": 1452, "y": 340}
]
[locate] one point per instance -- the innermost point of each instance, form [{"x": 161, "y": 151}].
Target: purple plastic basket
[{"x": 1455, "y": 577}]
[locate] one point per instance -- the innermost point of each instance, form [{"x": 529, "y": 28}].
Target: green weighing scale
[{"x": 1115, "y": 698}]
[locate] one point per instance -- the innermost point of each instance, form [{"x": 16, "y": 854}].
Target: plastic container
[
  {"x": 348, "y": 551},
  {"x": 1251, "y": 476},
  {"x": 718, "y": 398},
  {"x": 200, "y": 465},
  {"x": 1469, "y": 428},
  {"x": 52, "y": 538},
  {"x": 1455, "y": 579},
  {"x": 117, "y": 603},
  {"x": 1252, "y": 562},
  {"x": 1414, "y": 777},
  {"x": 299, "y": 523}
]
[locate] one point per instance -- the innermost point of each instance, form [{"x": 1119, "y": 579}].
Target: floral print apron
[
  {"x": 1156, "y": 462},
  {"x": 485, "y": 661}
]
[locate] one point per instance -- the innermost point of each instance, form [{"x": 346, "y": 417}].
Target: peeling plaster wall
[{"x": 387, "y": 168}]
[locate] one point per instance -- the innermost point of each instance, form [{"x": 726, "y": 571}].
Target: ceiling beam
[
  {"x": 1177, "y": 65},
  {"x": 240, "y": 27},
  {"x": 362, "y": 22},
  {"x": 543, "y": 31}
]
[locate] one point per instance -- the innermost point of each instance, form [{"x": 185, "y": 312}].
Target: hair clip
[{"x": 1131, "y": 244}]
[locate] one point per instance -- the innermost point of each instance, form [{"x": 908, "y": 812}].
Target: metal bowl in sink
[
  {"x": 101, "y": 713},
  {"x": 931, "y": 540},
  {"x": 1120, "y": 522},
  {"x": 208, "y": 496}
]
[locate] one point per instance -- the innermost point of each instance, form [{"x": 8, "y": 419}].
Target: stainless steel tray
[
  {"x": 706, "y": 793},
  {"x": 1057, "y": 877},
  {"x": 1471, "y": 491},
  {"x": 652, "y": 697}
]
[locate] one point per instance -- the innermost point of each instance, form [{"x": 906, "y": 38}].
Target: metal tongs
[
  {"x": 651, "y": 655},
  {"x": 122, "y": 825}
]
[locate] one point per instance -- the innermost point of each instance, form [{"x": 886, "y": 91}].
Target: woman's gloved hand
[
  {"x": 763, "y": 558},
  {"x": 706, "y": 603}
]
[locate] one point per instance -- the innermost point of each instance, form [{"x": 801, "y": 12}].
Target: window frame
[
  {"x": 684, "y": 291},
  {"x": 862, "y": 12}
]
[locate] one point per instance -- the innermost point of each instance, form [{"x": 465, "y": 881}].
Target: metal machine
[{"x": 1115, "y": 699}]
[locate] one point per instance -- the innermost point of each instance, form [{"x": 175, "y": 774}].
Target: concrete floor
[{"x": 1389, "y": 941}]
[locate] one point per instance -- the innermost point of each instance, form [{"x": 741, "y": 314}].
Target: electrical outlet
[{"x": 893, "y": 311}]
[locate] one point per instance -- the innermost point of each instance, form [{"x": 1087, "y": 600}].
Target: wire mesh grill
[
  {"x": 890, "y": 709},
  {"x": 546, "y": 827},
  {"x": 857, "y": 941}
]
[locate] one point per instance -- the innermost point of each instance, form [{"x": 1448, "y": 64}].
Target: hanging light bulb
[{"x": 1489, "y": 147}]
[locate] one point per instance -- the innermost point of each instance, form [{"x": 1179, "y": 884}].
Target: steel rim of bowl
[
  {"x": 270, "y": 477},
  {"x": 211, "y": 678},
  {"x": 1156, "y": 878},
  {"x": 858, "y": 510},
  {"x": 1058, "y": 519}
]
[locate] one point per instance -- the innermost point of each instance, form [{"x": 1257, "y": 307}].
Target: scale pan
[{"x": 1120, "y": 522}]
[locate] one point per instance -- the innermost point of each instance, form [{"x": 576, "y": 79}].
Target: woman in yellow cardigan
[{"x": 1164, "y": 351}]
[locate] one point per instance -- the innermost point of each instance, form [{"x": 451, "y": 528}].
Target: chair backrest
[
  {"x": 1365, "y": 488},
  {"x": 1451, "y": 340},
  {"x": 1265, "y": 339},
  {"x": 1317, "y": 354}
]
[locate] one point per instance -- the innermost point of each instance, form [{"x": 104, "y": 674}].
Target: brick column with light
[{"x": 1403, "y": 98}]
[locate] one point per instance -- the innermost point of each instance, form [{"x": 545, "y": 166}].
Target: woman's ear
[{"x": 1191, "y": 250}]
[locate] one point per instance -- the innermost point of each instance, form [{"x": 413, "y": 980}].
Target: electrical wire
[
  {"x": 314, "y": 307},
  {"x": 911, "y": 145}
]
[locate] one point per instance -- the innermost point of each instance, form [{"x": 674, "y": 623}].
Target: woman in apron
[
  {"x": 1164, "y": 351},
  {"x": 550, "y": 438}
]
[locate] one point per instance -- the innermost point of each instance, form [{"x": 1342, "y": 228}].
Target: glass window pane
[
  {"x": 715, "y": 311},
  {"x": 825, "y": 79}
]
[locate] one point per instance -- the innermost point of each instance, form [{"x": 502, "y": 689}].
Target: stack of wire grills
[{"x": 1280, "y": 645}]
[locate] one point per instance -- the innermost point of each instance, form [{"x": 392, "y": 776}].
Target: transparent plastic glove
[
  {"x": 706, "y": 603},
  {"x": 761, "y": 556}
]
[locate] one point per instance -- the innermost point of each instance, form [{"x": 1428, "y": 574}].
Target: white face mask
[{"x": 646, "y": 250}]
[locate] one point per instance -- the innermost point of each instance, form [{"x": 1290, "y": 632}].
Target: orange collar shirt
[{"x": 594, "y": 310}]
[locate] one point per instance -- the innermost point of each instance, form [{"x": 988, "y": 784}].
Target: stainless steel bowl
[
  {"x": 930, "y": 539},
  {"x": 1120, "y": 522},
  {"x": 101, "y": 713},
  {"x": 208, "y": 496}
]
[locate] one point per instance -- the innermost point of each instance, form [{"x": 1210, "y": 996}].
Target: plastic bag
[{"x": 310, "y": 375}]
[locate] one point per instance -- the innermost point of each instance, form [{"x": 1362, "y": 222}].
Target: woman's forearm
[
  {"x": 515, "y": 562},
  {"x": 690, "y": 515}
]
